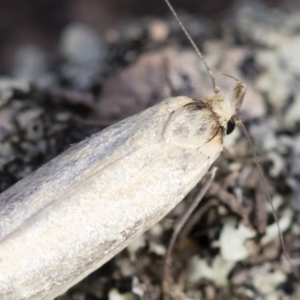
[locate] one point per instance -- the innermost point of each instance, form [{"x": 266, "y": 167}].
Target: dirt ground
[{"x": 91, "y": 65}]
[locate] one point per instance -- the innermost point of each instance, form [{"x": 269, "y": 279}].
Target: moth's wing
[
  {"x": 135, "y": 183},
  {"x": 40, "y": 188}
]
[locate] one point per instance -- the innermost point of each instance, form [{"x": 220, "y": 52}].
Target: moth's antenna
[
  {"x": 241, "y": 125},
  {"x": 215, "y": 87},
  {"x": 230, "y": 76}
]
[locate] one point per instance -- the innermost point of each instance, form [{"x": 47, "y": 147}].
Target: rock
[
  {"x": 10, "y": 87},
  {"x": 84, "y": 51}
]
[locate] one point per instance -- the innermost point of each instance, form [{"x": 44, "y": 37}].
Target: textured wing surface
[{"x": 126, "y": 185}]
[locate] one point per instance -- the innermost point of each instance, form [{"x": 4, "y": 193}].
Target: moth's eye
[{"x": 230, "y": 126}]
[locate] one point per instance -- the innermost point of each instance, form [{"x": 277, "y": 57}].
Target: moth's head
[{"x": 227, "y": 106}]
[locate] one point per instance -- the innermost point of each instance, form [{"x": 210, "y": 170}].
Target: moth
[{"x": 76, "y": 212}]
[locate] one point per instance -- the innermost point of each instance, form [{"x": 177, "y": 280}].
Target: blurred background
[{"x": 41, "y": 23}]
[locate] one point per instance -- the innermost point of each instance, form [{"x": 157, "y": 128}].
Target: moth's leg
[{"x": 178, "y": 228}]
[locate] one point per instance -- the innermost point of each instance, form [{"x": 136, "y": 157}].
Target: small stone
[
  {"x": 218, "y": 272},
  {"x": 30, "y": 63},
  {"x": 233, "y": 239},
  {"x": 266, "y": 282},
  {"x": 115, "y": 295},
  {"x": 8, "y": 87},
  {"x": 29, "y": 121},
  {"x": 84, "y": 52},
  {"x": 158, "y": 30}
]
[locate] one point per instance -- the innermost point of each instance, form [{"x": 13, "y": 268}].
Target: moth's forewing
[{"x": 72, "y": 215}]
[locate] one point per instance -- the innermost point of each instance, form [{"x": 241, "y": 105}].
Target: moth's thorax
[{"x": 193, "y": 125}]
